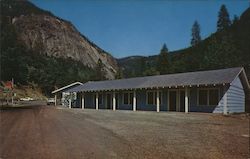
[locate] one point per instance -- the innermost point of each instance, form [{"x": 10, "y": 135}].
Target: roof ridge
[
  {"x": 169, "y": 74},
  {"x": 208, "y": 77}
]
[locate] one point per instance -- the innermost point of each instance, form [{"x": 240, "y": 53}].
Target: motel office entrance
[{"x": 176, "y": 100}]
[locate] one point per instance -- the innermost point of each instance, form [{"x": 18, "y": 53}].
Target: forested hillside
[
  {"x": 26, "y": 66},
  {"x": 228, "y": 47}
]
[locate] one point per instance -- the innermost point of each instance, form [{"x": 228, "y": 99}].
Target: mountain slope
[
  {"x": 40, "y": 48},
  {"x": 57, "y": 38},
  {"x": 44, "y": 33},
  {"x": 229, "y": 48}
]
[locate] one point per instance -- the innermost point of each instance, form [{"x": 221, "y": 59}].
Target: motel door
[
  {"x": 177, "y": 100},
  {"x": 182, "y": 100},
  {"x": 109, "y": 101},
  {"x": 172, "y": 100}
]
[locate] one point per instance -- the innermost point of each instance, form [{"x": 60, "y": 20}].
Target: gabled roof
[
  {"x": 222, "y": 76},
  {"x": 66, "y": 87}
]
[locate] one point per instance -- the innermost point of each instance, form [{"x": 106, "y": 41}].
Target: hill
[
  {"x": 228, "y": 48},
  {"x": 38, "y": 47}
]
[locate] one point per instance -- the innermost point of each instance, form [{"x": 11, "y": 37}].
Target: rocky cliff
[{"x": 47, "y": 34}]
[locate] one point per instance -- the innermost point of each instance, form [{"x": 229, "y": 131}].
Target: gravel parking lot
[{"x": 49, "y": 132}]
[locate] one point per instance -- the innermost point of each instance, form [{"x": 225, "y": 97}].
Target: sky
[{"x": 141, "y": 27}]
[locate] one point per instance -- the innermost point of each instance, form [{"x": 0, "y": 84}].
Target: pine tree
[
  {"x": 236, "y": 19},
  {"x": 196, "y": 38},
  {"x": 223, "y": 19},
  {"x": 163, "y": 60},
  {"x": 100, "y": 70}
]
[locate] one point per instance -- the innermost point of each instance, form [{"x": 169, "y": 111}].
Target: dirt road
[{"x": 49, "y": 132}]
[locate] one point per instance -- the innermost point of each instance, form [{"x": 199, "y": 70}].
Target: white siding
[
  {"x": 236, "y": 97},
  {"x": 219, "y": 107}
]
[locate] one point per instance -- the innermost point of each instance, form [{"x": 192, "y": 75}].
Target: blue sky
[{"x": 136, "y": 27}]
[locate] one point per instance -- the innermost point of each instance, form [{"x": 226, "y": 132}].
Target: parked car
[
  {"x": 26, "y": 99},
  {"x": 50, "y": 101}
]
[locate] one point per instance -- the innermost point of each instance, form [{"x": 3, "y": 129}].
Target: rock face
[{"x": 46, "y": 34}]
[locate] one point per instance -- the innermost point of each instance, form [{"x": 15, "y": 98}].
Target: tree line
[
  {"x": 223, "y": 23},
  {"x": 226, "y": 48}
]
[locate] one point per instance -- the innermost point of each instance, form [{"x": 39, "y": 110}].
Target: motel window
[
  {"x": 152, "y": 97},
  {"x": 203, "y": 97},
  {"x": 208, "y": 97},
  {"x": 213, "y": 97},
  {"x": 127, "y": 98}
]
